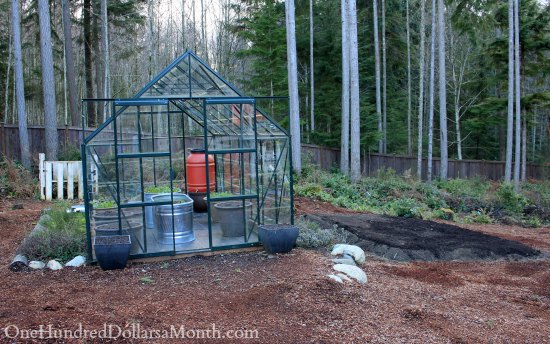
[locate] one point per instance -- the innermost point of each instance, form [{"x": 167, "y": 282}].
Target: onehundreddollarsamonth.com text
[{"x": 130, "y": 331}]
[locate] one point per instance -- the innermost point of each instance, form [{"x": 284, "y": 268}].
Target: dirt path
[{"x": 286, "y": 299}]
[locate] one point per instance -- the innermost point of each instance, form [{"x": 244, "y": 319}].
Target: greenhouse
[{"x": 189, "y": 164}]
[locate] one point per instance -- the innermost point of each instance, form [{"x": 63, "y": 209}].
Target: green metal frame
[{"x": 196, "y": 109}]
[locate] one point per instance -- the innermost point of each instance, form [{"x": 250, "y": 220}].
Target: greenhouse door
[
  {"x": 233, "y": 203},
  {"x": 143, "y": 160}
]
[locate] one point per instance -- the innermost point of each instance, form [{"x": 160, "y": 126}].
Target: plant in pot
[
  {"x": 151, "y": 191},
  {"x": 278, "y": 238},
  {"x": 111, "y": 251},
  {"x": 213, "y": 210},
  {"x": 232, "y": 216}
]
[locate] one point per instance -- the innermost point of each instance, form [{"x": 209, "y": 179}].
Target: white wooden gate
[{"x": 64, "y": 175}]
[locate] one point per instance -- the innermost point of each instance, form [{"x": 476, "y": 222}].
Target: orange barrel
[
  {"x": 196, "y": 178},
  {"x": 196, "y": 171}
]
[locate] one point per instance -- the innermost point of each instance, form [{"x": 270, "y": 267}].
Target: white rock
[
  {"x": 76, "y": 261},
  {"x": 355, "y": 251},
  {"x": 335, "y": 278},
  {"x": 343, "y": 261},
  {"x": 352, "y": 271},
  {"x": 54, "y": 265},
  {"x": 344, "y": 278},
  {"x": 35, "y": 264}
]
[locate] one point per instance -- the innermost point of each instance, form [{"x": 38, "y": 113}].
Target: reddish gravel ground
[{"x": 286, "y": 298}]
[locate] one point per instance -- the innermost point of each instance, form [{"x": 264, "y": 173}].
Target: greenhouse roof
[{"x": 189, "y": 79}]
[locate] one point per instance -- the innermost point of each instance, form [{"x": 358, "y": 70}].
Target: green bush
[
  {"x": 474, "y": 187},
  {"x": 408, "y": 207},
  {"x": 388, "y": 193},
  {"x": 63, "y": 236},
  {"x": 313, "y": 236},
  {"x": 444, "y": 214},
  {"x": 479, "y": 216},
  {"x": 69, "y": 153},
  {"x": 508, "y": 199}
]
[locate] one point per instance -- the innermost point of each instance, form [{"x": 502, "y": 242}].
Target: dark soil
[
  {"x": 112, "y": 239},
  {"x": 406, "y": 239}
]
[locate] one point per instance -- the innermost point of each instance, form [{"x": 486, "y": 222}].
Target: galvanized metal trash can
[{"x": 182, "y": 217}]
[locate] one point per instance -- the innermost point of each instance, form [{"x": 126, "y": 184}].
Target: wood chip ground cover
[{"x": 288, "y": 299}]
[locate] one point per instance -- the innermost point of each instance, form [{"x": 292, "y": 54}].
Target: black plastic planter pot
[
  {"x": 278, "y": 238},
  {"x": 111, "y": 251}
]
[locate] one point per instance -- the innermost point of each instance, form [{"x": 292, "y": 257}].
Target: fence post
[
  {"x": 60, "y": 173},
  {"x": 3, "y": 140},
  {"x": 48, "y": 171},
  {"x": 42, "y": 174}
]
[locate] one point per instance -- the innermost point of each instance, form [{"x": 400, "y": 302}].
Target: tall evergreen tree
[{"x": 48, "y": 81}]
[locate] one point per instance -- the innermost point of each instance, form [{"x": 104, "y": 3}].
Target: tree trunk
[
  {"x": 48, "y": 81},
  {"x": 421, "y": 88},
  {"x": 312, "y": 70},
  {"x": 293, "y": 86},
  {"x": 377, "y": 72},
  {"x": 518, "y": 97},
  {"x": 150, "y": 36},
  {"x": 429, "y": 172},
  {"x": 69, "y": 63},
  {"x": 183, "y": 25},
  {"x": 20, "y": 85},
  {"x": 355, "y": 149},
  {"x": 88, "y": 67},
  {"x": 384, "y": 80},
  {"x": 442, "y": 91},
  {"x": 409, "y": 95},
  {"x": 524, "y": 148},
  {"x": 203, "y": 27},
  {"x": 344, "y": 149},
  {"x": 105, "y": 48},
  {"x": 510, "y": 127}
]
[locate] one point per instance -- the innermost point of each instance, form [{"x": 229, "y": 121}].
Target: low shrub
[
  {"x": 408, "y": 207},
  {"x": 479, "y": 216},
  {"x": 509, "y": 200},
  {"x": 63, "y": 236},
  {"x": 69, "y": 153},
  {"x": 389, "y": 193},
  {"x": 313, "y": 236},
  {"x": 444, "y": 214},
  {"x": 15, "y": 180}
]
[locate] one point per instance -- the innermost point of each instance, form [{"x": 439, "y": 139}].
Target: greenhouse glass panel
[{"x": 189, "y": 164}]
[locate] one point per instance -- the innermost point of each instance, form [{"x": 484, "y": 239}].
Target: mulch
[{"x": 286, "y": 298}]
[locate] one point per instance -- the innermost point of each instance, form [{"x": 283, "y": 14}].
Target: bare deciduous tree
[
  {"x": 442, "y": 91},
  {"x": 69, "y": 63},
  {"x": 377, "y": 73},
  {"x": 429, "y": 172},
  {"x": 344, "y": 147},
  {"x": 355, "y": 142},
  {"x": 293, "y": 86},
  {"x": 20, "y": 85},
  {"x": 311, "y": 68},
  {"x": 421, "y": 87}
]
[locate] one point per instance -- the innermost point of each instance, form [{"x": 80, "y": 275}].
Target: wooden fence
[
  {"x": 324, "y": 157},
  {"x": 64, "y": 174},
  {"x": 328, "y": 158},
  {"x": 9, "y": 139}
]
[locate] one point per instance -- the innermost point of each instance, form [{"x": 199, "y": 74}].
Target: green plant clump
[
  {"x": 160, "y": 189},
  {"x": 313, "y": 236},
  {"x": 63, "y": 236},
  {"x": 474, "y": 200}
]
